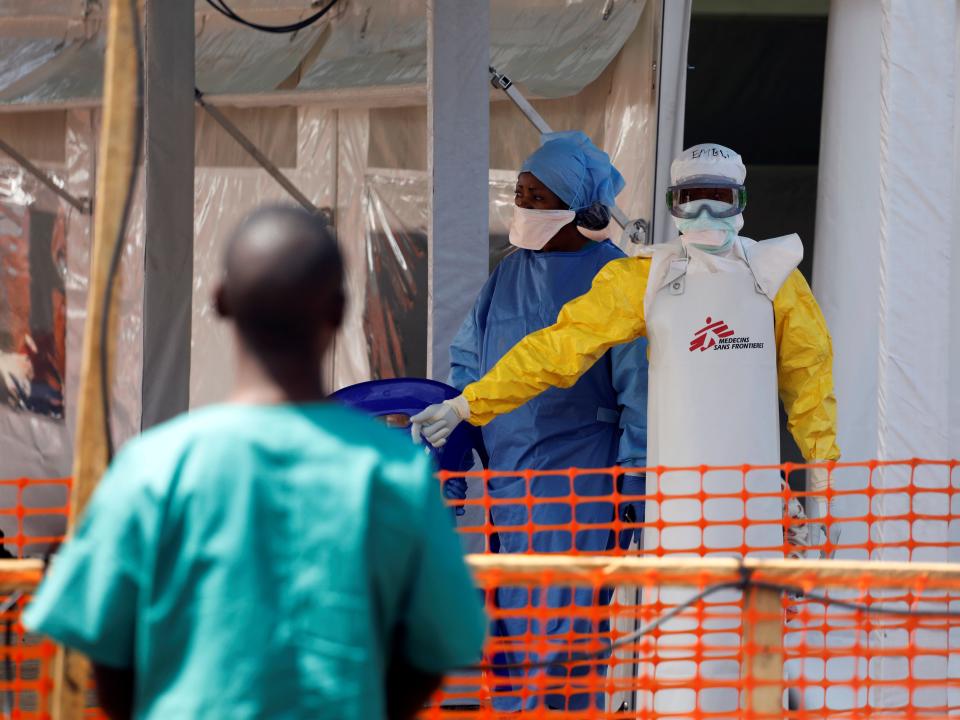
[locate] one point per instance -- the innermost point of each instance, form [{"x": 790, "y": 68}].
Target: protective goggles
[{"x": 726, "y": 199}]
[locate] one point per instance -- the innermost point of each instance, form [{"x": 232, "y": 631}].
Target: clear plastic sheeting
[
  {"x": 32, "y": 302},
  {"x": 127, "y": 370},
  {"x": 395, "y": 305},
  {"x": 24, "y": 55},
  {"x": 234, "y": 59},
  {"x": 502, "y": 192},
  {"x": 350, "y": 363},
  {"x": 80, "y": 141},
  {"x": 272, "y": 129},
  {"x": 223, "y": 195},
  {"x": 32, "y": 326},
  {"x": 33, "y": 257},
  {"x": 554, "y": 48},
  {"x": 40, "y": 239},
  {"x": 372, "y": 44},
  {"x": 69, "y": 70},
  {"x": 229, "y": 59},
  {"x": 513, "y": 137},
  {"x": 392, "y": 305}
]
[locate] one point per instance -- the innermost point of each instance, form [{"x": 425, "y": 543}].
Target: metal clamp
[
  {"x": 637, "y": 231},
  {"x": 498, "y": 80}
]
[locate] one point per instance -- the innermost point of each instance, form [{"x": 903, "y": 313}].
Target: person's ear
[{"x": 220, "y": 303}]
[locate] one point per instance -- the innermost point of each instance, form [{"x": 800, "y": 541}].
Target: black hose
[{"x": 221, "y": 7}]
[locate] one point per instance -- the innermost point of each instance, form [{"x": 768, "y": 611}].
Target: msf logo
[{"x": 707, "y": 337}]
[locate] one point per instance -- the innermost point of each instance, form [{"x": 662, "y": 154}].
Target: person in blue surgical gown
[{"x": 559, "y": 229}]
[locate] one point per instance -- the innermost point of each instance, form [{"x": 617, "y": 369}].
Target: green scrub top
[{"x": 263, "y": 561}]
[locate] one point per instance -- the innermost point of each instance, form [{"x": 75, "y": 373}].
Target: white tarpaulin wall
[{"x": 886, "y": 274}]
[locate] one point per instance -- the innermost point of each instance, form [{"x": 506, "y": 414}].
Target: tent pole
[
  {"x": 167, "y": 209},
  {"x": 458, "y": 164}
]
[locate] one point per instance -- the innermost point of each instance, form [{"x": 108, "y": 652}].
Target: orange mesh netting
[
  {"x": 25, "y": 667},
  {"x": 748, "y": 649},
  {"x": 731, "y": 655},
  {"x": 899, "y": 510},
  {"x": 33, "y": 514},
  {"x": 33, "y": 518},
  {"x": 830, "y": 660}
]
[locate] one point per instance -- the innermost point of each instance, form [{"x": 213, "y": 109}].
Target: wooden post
[
  {"x": 117, "y": 138},
  {"x": 19, "y": 575},
  {"x": 763, "y": 665}
]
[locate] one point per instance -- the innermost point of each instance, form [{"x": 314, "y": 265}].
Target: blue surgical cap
[{"x": 576, "y": 170}]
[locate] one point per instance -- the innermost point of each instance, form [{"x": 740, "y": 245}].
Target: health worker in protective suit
[
  {"x": 730, "y": 322},
  {"x": 560, "y": 232}
]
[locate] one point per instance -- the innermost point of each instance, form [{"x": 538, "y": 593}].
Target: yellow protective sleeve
[
  {"x": 610, "y": 313},
  {"x": 805, "y": 370}
]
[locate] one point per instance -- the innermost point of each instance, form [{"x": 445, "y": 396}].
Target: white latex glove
[
  {"x": 798, "y": 533},
  {"x": 819, "y": 481},
  {"x": 436, "y": 422},
  {"x": 16, "y": 371}
]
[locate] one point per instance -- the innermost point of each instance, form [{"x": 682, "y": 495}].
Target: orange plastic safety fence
[
  {"x": 25, "y": 667},
  {"x": 907, "y": 509},
  {"x": 728, "y": 655},
  {"x": 26, "y": 670},
  {"x": 837, "y": 662},
  {"x": 33, "y": 514},
  {"x": 33, "y": 518}
]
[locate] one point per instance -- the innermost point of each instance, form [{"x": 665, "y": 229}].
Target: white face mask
[
  {"x": 707, "y": 233},
  {"x": 532, "y": 229}
]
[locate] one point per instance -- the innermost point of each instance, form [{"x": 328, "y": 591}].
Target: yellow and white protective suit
[
  {"x": 725, "y": 334},
  {"x": 612, "y": 312}
]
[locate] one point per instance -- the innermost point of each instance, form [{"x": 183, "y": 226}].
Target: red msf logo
[{"x": 706, "y": 337}]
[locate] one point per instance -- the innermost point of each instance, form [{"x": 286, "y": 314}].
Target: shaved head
[{"x": 282, "y": 281}]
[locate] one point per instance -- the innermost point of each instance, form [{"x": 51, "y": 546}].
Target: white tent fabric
[
  {"x": 885, "y": 237},
  {"x": 670, "y": 107}
]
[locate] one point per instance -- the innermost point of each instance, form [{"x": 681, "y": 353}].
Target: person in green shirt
[{"x": 276, "y": 556}]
